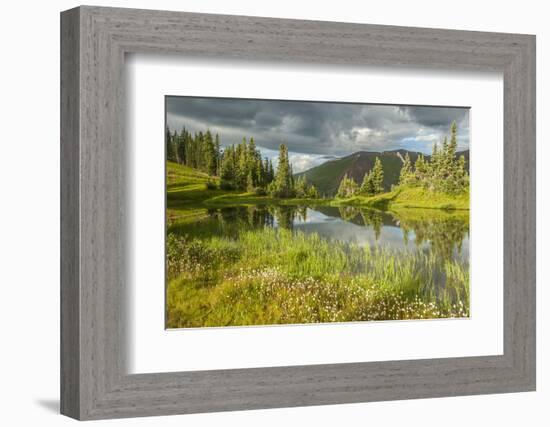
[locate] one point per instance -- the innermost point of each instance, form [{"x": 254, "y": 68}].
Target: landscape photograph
[{"x": 303, "y": 212}]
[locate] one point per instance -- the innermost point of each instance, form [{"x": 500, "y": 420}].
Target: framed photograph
[{"x": 262, "y": 213}]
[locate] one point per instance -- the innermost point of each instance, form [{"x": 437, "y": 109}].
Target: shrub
[
  {"x": 259, "y": 191},
  {"x": 211, "y": 185}
]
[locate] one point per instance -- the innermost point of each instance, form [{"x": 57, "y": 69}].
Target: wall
[{"x": 29, "y": 225}]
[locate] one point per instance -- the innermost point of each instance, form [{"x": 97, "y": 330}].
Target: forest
[{"x": 239, "y": 166}]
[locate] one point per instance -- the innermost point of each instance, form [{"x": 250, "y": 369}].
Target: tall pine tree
[
  {"x": 377, "y": 173},
  {"x": 282, "y": 184},
  {"x": 406, "y": 175}
]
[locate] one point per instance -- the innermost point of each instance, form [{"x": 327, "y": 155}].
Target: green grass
[
  {"x": 177, "y": 174},
  {"x": 268, "y": 276},
  {"x": 410, "y": 197},
  {"x": 250, "y": 199},
  {"x": 234, "y": 273},
  {"x": 418, "y": 197},
  {"x": 187, "y": 187}
]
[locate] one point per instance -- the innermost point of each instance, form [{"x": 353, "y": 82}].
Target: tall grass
[{"x": 270, "y": 276}]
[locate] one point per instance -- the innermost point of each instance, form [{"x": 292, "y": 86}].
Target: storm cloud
[{"x": 316, "y": 131}]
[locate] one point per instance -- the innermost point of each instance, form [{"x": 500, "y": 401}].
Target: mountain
[{"x": 327, "y": 176}]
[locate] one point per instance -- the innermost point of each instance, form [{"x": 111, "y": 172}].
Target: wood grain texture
[
  {"x": 94, "y": 231},
  {"x": 70, "y": 260}
]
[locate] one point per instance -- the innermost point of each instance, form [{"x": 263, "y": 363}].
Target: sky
[{"x": 318, "y": 131}]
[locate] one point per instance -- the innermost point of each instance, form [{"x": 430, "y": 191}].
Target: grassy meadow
[{"x": 237, "y": 258}]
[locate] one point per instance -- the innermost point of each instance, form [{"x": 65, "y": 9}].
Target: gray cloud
[
  {"x": 435, "y": 117},
  {"x": 317, "y": 128}
]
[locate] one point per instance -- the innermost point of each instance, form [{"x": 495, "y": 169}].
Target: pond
[
  {"x": 444, "y": 233},
  {"x": 273, "y": 263}
]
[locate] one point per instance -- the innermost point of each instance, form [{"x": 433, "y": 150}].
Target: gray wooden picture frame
[{"x": 94, "y": 41}]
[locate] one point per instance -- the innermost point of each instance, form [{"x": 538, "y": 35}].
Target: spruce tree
[
  {"x": 182, "y": 152},
  {"x": 242, "y": 168},
  {"x": 228, "y": 166},
  {"x": 267, "y": 178},
  {"x": 453, "y": 144},
  {"x": 282, "y": 185},
  {"x": 406, "y": 175},
  {"x": 342, "y": 188},
  {"x": 312, "y": 192},
  {"x": 348, "y": 188},
  {"x": 377, "y": 177},
  {"x": 210, "y": 157},
  {"x": 218, "y": 156},
  {"x": 301, "y": 188},
  {"x": 420, "y": 170},
  {"x": 249, "y": 182},
  {"x": 170, "y": 152},
  {"x": 271, "y": 171},
  {"x": 367, "y": 187}
]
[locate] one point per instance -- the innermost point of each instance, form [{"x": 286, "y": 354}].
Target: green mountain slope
[{"x": 327, "y": 177}]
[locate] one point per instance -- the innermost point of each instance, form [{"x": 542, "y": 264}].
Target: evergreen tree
[
  {"x": 377, "y": 173},
  {"x": 251, "y": 156},
  {"x": 420, "y": 169},
  {"x": 249, "y": 182},
  {"x": 181, "y": 147},
  {"x": 210, "y": 156},
  {"x": 282, "y": 185},
  {"x": 301, "y": 187},
  {"x": 451, "y": 148},
  {"x": 170, "y": 152},
  {"x": 271, "y": 172},
  {"x": 443, "y": 172},
  {"x": 367, "y": 187},
  {"x": 267, "y": 178},
  {"x": 217, "y": 150},
  {"x": 407, "y": 175},
  {"x": 461, "y": 175},
  {"x": 260, "y": 174},
  {"x": 175, "y": 143},
  {"x": 241, "y": 174},
  {"x": 312, "y": 192},
  {"x": 227, "y": 173},
  {"x": 348, "y": 188}
]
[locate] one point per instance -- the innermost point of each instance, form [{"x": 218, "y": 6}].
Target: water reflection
[{"x": 446, "y": 234}]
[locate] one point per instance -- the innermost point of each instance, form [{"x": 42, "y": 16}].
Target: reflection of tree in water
[
  {"x": 444, "y": 233},
  {"x": 348, "y": 213},
  {"x": 373, "y": 219},
  {"x": 259, "y": 217},
  {"x": 367, "y": 217},
  {"x": 285, "y": 216},
  {"x": 233, "y": 219},
  {"x": 252, "y": 217},
  {"x": 302, "y": 213}
]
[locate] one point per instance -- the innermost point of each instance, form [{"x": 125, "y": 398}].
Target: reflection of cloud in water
[
  {"x": 362, "y": 235},
  {"x": 339, "y": 229},
  {"x": 315, "y": 217},
  {"x": 363, "y": 230}
]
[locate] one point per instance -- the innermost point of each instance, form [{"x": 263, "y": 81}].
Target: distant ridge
[{"x": 327, "y": 176}]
